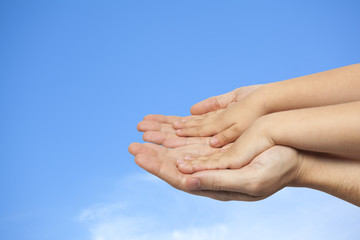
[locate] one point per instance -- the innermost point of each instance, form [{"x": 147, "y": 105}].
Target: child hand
[
  {"x": 223, "y": 101},
  {"x": 226, "y": 124},
  {"x": 251, "y": 143}
]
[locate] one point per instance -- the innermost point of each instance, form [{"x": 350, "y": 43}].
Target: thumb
[
  {"x": 213, "y": 104},
  {"x": 225, "y": 137},
  {"x": 221, "y": 180}
]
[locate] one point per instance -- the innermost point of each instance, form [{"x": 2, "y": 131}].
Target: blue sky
[{"x": 77, "y": 76}]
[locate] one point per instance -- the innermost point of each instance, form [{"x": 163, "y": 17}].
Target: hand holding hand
[{"x": 266, "y": 174}]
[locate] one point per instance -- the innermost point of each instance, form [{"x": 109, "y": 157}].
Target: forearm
[
  {"x": 335, "y": 86},
  {"x": 333, "y": 175},
  {"x": 331, "y": 129}
]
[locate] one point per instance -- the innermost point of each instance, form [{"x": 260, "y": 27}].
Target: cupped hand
[
  {"x": 267, "y": 173},
  {"x": 222, "y": 101},
  {"x": 158, "y": 129},
  {"x": 255, "y": 140},
  {"x": 226, "y": 124}
]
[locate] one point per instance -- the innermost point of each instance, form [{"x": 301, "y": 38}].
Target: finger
[
  {"x": 158, "y": 137},
  {"x": 243, "y": 151},
  {"x": 163, "y": 151},
  {"x": 190, "y": 121},
  {"x": 193, "y": 121},
  {"x": 155, "y": 159},
  {"x": 135, "y": 148},
  {"x": 163, "y": 119},
  {"x": 144, "y": 126},
  {"x": 203, "y": 126},
  {"x": 171, "y": 140},
  {"x": 222, "y": 101},
  {"x": 197, "y": 131},
  {"x": 244, "y": 180},
  {"x": 160, "y": 165},
  {"x": 213, "y": 103},
  {"x": 226, "y": 147},
  {"x": 198, "y": 149},
  {"x": 166, "y": 171},
  {"x": 225, "y": 137},
  {"x": 191, "y": 163},
  {"x": 176, "y": 142},
  {"x": 155, "y": 149}
]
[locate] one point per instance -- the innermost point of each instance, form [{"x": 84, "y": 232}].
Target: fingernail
[
  {"x": 187, "y": 157},
  {"x": 214, "y": 141},
  {"x": 194, "y": 184},
  {"x": 183, "y": 120},
  {"x": 176, "y": 124},
  {"x": 178, "y": 131}
]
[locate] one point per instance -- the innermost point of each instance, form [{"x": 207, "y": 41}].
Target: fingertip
[
  {"x": 144, "y": 161},
  {"x": 155, "y": 137},
  {"x": 214, "y": 142},
  {"x": 134, "y": 148},
  {"x": 173, "y": 142},
  {"x": 147, "y": 136},
  {"x": 140, "y": 127},
  {"x": 198, "y": 167},
  {"x": 151, "y": 117},
  {"x": 185, "y": 168},
  {"x": 180, "y": 132},
  {"x": 176, "y": 125},
  {"x": 193, "y": 184},
  {"x": 194, "y": 110},
  {"x": 147, "y": 117},
  {"x": 139, "y": 159}
]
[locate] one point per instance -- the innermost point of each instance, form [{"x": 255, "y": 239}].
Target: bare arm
[
  {"x": 340, "y": 85},
  {"x": 330, "y": 129},
  {"x": 321, "y": 89},
  {"x": 333, "y": 175}
]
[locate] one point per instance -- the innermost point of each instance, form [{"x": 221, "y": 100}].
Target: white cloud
[
  {"x": 156, "y": 211},
  {"x": 99, "y": 211}
]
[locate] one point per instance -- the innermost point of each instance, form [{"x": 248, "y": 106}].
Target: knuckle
[
  {"x": 216, "y": 103},
  {"x": 216, "y": 183},
  {"x": 238, "y": 128},
  {"x": 223, "y": 138}
]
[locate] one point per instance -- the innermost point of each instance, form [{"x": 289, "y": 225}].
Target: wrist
[
  {"x": 266, "y": 97},
  {"x": 330, "y": 174},
  {"x": 304, "y": 173}
]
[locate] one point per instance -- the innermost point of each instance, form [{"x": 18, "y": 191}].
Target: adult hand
[
  {"x": 269, "y": 172},
  {"x": 158, "y": 129}
]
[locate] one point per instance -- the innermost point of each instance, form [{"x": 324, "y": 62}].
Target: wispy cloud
[{"x": 155, "y": 211}]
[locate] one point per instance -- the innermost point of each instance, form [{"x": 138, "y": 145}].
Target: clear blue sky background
[{"x": 77, "y": 76}]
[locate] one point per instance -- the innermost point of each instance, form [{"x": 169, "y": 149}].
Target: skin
[
  {"x": 226, "y": 125},
  {"x": 269, "y": 172},
  {"x": 331, "y": 175},
  {"x": 159, "y": 128},
  {"x": 330, "y": 129}
]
